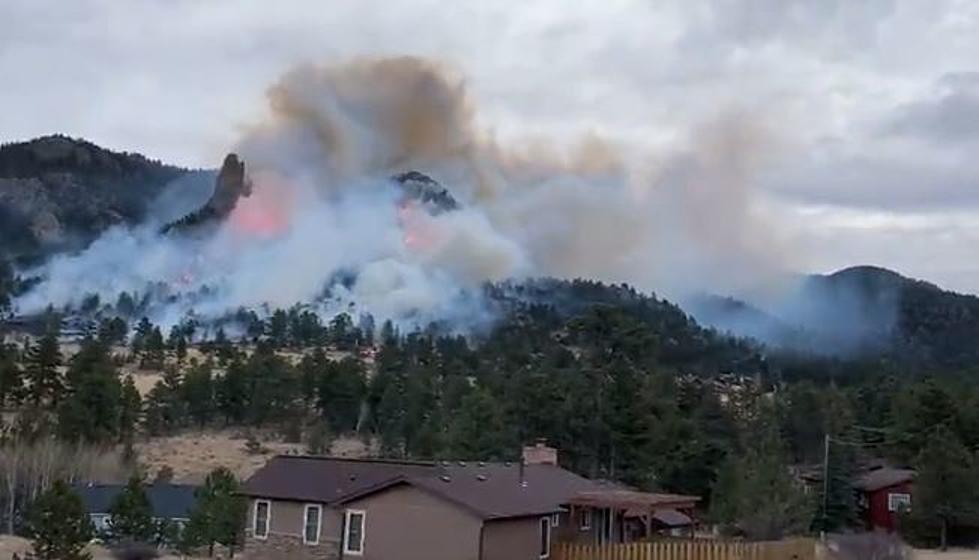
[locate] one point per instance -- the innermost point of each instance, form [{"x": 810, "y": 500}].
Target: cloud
[{"x": 947, "y": 116}]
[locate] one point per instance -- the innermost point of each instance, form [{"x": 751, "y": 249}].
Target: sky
[{"x": 871, "y": 107}]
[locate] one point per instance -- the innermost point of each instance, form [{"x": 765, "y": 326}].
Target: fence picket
[{"x": 802, "y": 549}]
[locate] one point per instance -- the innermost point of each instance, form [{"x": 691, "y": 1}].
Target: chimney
[{"x": 539, "y": 454}]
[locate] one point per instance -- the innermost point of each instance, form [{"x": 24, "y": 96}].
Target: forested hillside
[
  {"x": 625, "y": 385},
  {"x": 59, "y": 193}
]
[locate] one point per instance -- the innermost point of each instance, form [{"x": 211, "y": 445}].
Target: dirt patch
[{"x": 193, "y": 455}]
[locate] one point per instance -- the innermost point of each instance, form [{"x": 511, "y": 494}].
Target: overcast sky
[{"x": 876, "y": 101}]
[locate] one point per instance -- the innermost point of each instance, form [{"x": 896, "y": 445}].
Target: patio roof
[{"x": 629, "y": 499}]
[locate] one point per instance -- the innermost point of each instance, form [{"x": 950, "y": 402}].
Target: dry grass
[
  {"x": 193, "y": 455},
  {"x": 10, "y": 545}
]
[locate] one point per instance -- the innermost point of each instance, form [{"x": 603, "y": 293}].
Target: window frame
[
  {"x": 346, "y": 532},
  {"x": 268, "y": 520},
  {"x": 585, "y": 519},
  {"x": 545, "y": 537},
  {"x": 319, "y": 523},
  {"x": 905, "y": 498},
  {"x": 555, "y": 520}
]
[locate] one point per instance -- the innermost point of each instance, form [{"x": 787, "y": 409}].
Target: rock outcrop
[
  {"x": 232, "y": 184},
  {"x": 422, "y": 188}
]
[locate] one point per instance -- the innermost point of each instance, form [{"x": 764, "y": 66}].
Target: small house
[
  {"x": 329, "y": 508},
  {"x": 170, "y": 502}
]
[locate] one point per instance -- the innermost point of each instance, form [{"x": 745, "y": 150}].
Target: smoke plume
[{"x": 326, "y": 225}]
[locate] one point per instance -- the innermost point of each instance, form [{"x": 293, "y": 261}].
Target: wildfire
[
  {"x": 420, "y": 233},
  {"x": 267, "y": 211}
]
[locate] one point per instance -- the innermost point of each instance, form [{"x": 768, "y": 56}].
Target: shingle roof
[
  {"x": 325, "y": 479},
  {"x": 169, "y": 501},
  {"x": 495, "y": 491},
  {"x": 488, "y": 490},
  {"x": 877, "y": 479}
]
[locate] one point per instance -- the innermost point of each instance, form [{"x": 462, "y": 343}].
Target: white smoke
[{"x": 324, "y": 205}]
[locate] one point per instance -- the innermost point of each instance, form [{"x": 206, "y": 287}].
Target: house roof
[
  {"x": 169, "y": 501},
  {"x": 326, "y": 479},
  {"x": 487, "y": 490},
  {"x": 494, "y": 490},
  {"x": 884, "y": 477}
]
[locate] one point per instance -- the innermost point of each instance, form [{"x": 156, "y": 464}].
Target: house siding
[
  {"x": 405, "y": 523},
  {"x": 879, "y": 515},
  {"x": 513, "y": 539},
  {"x": 285, "y": 539}
]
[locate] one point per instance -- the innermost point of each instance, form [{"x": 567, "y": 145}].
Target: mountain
[
  {"x": 59, "y": 193},
  {"x": 862, "y": 311}
]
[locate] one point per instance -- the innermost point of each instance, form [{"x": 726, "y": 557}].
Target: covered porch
[{"x": 624, "y": 516}]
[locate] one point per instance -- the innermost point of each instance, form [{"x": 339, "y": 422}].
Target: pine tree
[
  {"x": 154, "y": 350},
  {"x": 219, "y": 513},
  {"x": 130, "y": 406},
  {"x": 197, "y": 391},
  {"x": 11, "y": 376},
  {"x": 131, "y": 515},
  {"x": 477, "y": 430},
  {"x": 947, "y": 484},
  {"x": 340, "y": 391},
  {"x": 7, "y": 284},
  {"x": 59, "y": 526},
  {"x": 756, "y": 492},
  {"x": 42, "y": 371},
  {"x": 143, "y": 331},
  {"x": 91, "y": 411}
]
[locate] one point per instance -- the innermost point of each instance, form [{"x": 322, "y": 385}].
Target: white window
[
  {"x": 311, "y": 523},
  {"x": 263, "y": 511},
  {"x": 545, "y": 537},
  {"x": 899, "y": 502},
  {"x": 556, "y": 520},
  {"x": 353, "y": 533},
  {"x": 584, "y": 519},
  {"x": 100, "y": 522}
]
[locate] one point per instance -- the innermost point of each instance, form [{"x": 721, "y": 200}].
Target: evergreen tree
[
  {"x": 91, "y": 411},
  {"x": 112, "y": 331},
  {"x": 946, "y": 486},
  {"x": 165, "y": 406},
  {"x": 340, "y": 391},
  {"x": 757, "y": 495},
  {"x": 131, "y": 515},
  {"x": 59, "y": 525},
  {"x": 11, "y": 376},
  {"x": 7, "y": 284},
  {"x": 154, "y": 350},
  {"x": 130, "y": 407},
  {"x": 198, "y": 391},
  {"x": 477, "y": 430},
  {"x": 219, "y": 514},
  {"x": 43, "y": 362},
  {"x": 142, "y": 333}
]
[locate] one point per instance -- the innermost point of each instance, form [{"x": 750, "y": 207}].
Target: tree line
[{"x": 628, "y": 389}]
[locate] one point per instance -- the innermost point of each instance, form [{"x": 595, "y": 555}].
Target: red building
[{"x": 884, "y": 493}]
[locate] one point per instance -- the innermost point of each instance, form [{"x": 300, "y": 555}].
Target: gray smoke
[{"x": 680, "y": 222}]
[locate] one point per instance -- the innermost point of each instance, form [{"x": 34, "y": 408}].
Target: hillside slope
[
  {"x": 861, "y": 311},
  {"x": 59, "y": 193}
]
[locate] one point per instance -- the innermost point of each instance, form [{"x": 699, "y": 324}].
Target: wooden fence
[{"x": 797, "y": 549}]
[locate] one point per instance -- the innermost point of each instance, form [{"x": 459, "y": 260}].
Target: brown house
[{"x": 319, "y": 507}]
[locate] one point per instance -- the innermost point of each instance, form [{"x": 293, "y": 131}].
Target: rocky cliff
[{"x": 232, "y": 183}]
